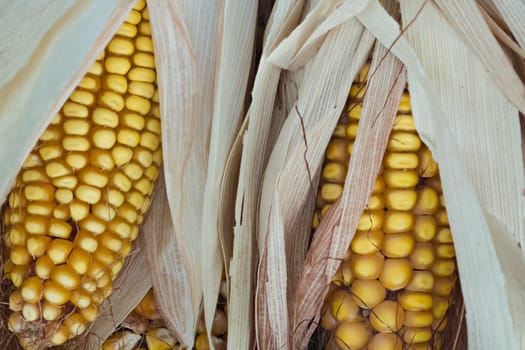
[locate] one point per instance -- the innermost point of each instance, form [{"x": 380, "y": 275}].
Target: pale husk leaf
[
  {"x": 237, "y": 30},
  {"x": 186, "y": 34},
  {"x": 43, "y": 60},
  {"x": 468, "y": 21},
  {"x": 287, "y": 195},
  {"x": 283, "y": 19},
  {"x": 460, "y": 82},
  {"x": 513, "y": 12}
]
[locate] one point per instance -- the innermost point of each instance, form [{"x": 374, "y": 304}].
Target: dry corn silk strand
[
  {"x": 144, "y": 329},
  {"x": 82, "y": 192},
  {"x": 394, "y": 287}
]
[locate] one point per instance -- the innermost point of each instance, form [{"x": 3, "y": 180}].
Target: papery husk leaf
[
  {"x": 43, "y": 59},
  {"x": 473, "y": 101},
  {"x": 467, "y": 19},
  {"x": 185, "y": 103},
  {"x": 386, "y": 82},
  {"x": 288, "y": 195},
  {"x": 513, "y": 12},
  {"x": 305, "y": 40},
  {"x": 254, "y": 156},
  {"x": 501, "y": 35},
  {"x": 234, "y": 60}
]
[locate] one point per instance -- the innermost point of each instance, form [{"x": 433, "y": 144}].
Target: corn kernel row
[
  {"x": 83, "y": 190},
  {"x": 393, "y": 289}
]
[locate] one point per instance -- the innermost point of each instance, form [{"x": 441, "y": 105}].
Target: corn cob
[
  {"x": 393, "y": 289},
  {"x": 82, "y": 192}
]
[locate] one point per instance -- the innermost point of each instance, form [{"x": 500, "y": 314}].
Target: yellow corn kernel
[
  {"x": 159, "y": 339},
  {"x": 31, "y": 290},
  {"x": 367, "y": 242},
  {"x": 16, "y": 299},
  {"x": 395, "y": 178},
  {"x": 351, "y": 335},
  {"x": 398, "y": 245},
  {"x": 396, "y": 274},
  {"x": 385, "y": 341},
  {"x": 66, "y": 276},
  {"x": 76, "y": 160},
  {"x": 403, "y": 160},
  {"x": 20, "y": 256},
  {"x": 37, "y": 245},
  {"x": 416, "y": 335},
  {"x": 50, "y": 311},
  {"x": 122, "y": 340},
  {"x": 404, "y": 122},
  {"x": 368, "y": 293},
  {"x": 443, "y": 286},
  {"x": 425, "y": 228},
  {"x": 144, "y": 59},
  {"x": 342, "y": 306},
  {"x": 397, "y": 221},
  {"x": 367, "y": 267},
  {"x": 444, "y": 235},
  {"x": 43, "y": 266},
  {"x": 387, "y": 317},
  {"x": 355, "y": 110},
  {"x": 31, "y": 312},
  {"x": 344, "y": 275},
  {"x": 423, "y": 256},
  {"x": 415, "y": 301},
  {"x": 418, "y": 318},
  {"x": 371, "y": 220},
  {"x": 59, "y": 249},
  {"x": 56, "y": 293},
  {"x": 39, "y": 192},
  {"x": 79, "y": 260},
  {"x": 443, "y": 267},
  {"x": 422, "y": 281}
]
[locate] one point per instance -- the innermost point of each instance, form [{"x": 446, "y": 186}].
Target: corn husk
[{"x": 477, "y": 143}]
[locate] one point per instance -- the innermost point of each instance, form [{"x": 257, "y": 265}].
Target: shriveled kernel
[
  {"x": 55, "y": 293},
  {"x": 144, "y": 59},
  {"x": 138, "y": 104},
  {"x": 117, "y": 65},
  {"x": 128, "y": 137},
  {"x": 85, "y": 98},
  {"x": 112, "y": 100},
  {"x": 88, "y": 194},
  {"x": 78, "y": 209},
  {"x": 76, "y": 160},
  {"x": 398, "y": 245},
  {"x": 105, "y": 117},
  {"x": 37, "y": 245},
  {"x": 144, "y": 43},
  {"x": 101, "y": 159},
  {"x": 76, "y": 126},
  {"x": 59, "y": 250},
  {"x": 76, "y": 143},
  {"x": 43, "y": 266}
]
